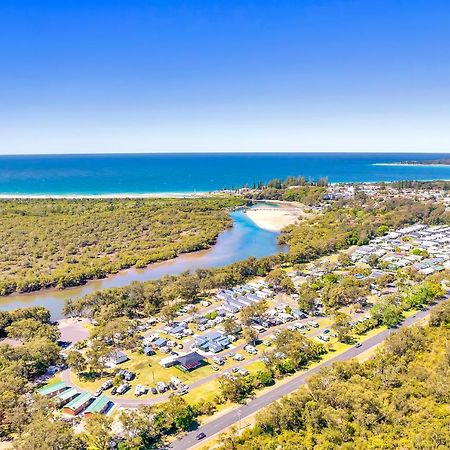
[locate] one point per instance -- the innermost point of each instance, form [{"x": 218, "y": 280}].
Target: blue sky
[{"x": 173, "y": 75}]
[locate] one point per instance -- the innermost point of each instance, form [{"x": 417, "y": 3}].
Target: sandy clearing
[{"x": 275, "y": 219}]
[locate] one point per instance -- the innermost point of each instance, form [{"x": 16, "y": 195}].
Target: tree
[
  {"x": 29, "y": 329},
  {"x": 230, "y": 326},
  {"x": 250, "y": 335},
  {"x": 97, "y": 432},
  {"x": 236, "y": 388},
  {"x": 386, "y": 312},
  {"x": 76, "y": 361},
  {"x": 265, "y": 377},
  {"x": 342, "y": 327},
  {"x": 306, "y": 297},
  {"x": 45, "y": 433},
  {"x": 440, "y": 315},
  {"x": 168, "y": 313}
]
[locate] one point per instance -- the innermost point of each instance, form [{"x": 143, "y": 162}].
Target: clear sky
[{"x": 224, "y": 75}]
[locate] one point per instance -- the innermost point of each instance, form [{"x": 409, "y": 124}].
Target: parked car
[
  {"x": 98, "y": 392},
  {"x": 114, "y": 390},
  {"x": 154, "y": 391},
  {"x": 200, "y": 436}
]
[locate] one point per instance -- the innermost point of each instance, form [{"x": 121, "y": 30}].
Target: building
[
  {"x": 148, "y": 350},
  {"x": 78, "y": 404},
  {"x": 160, "y": 342},
  {"x": 118, "y": 357},
  {"x": 51, "y": 390},
  {"x": 98, "y": 406},
  {"x": 212, "y": 342},
  {"x": 190, "y": 361},
  {"x": 66, "y": 396},
  {"x": 168, "y": 362}
]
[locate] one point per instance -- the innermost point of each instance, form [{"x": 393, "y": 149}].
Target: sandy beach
[
  {"x": 275, "y": 219},
  {"x": 73, "y": 330}
]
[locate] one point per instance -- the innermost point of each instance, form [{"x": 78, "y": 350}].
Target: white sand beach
[{"x": 275, "y": 219}]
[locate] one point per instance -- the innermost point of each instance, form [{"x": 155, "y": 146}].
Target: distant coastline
[
  {"x": 427, "y": 163},
  {"x": 104, "y": 196}
]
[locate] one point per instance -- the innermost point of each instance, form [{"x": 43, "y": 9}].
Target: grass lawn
[{"x": 148, "y": 372}]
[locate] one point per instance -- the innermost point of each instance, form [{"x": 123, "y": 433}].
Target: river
[{"x": 242, "y": 240}]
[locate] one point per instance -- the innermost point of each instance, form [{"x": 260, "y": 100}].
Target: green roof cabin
[
  {"x": 52, "y": 389},
  {"x": 98, "y": 406},
  {"x": 66, "y": 396},
  {"x": 78, "y": 404}
]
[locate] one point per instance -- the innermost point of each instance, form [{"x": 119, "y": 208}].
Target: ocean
[{"x": 185, "y": 173}]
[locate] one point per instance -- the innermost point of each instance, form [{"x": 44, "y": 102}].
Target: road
[
  {"x": 139, "y": 401},
  {"x": 221, "y": 423}
]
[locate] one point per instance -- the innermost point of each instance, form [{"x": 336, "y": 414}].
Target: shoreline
[
  {"x": 275, "y": 219},
  {"x": 126, "y": 270},
  {"x": 411, "y": 165},
  {"x": 105, "y": 196}
]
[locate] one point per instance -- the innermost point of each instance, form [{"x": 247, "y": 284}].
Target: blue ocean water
[{"x": 158, "y": 173}]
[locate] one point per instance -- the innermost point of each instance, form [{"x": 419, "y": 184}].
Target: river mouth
[{"x": 242, "y": 240}]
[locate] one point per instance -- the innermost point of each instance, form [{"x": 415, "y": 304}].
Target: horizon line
[{"x": 233, "y": 152}]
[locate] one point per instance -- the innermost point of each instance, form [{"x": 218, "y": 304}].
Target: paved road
[
  {"x": 139, "y": 401},
  {"x": 221, "y": 423}
]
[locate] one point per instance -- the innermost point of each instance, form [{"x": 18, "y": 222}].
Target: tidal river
[{"x": 244, "y": 239}]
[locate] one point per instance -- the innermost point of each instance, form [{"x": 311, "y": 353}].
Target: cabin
[
  {"x": 78, "y": 404},
  {"x": 117, "y": 358},
  {"x": 51, "y": 390},
  {"x": 160, "y": 342},
  {"x": 190, "y": 361},
  {"x": 168, "y": 362},
  {"x": 98, "y": 406},
  {"x": 212, "y": 342},
  {"x": 148, "y": 350},
  {"x": 66, "y": 396}
]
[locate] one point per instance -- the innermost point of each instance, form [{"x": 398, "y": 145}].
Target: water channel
[{"x": 242, "y": 240}]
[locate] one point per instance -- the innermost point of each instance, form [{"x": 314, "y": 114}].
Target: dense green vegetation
[
  {"x": 47, "y": 243},
  {"x": 309, "y": 192},
  {"x": 399, "y": 399},
  {"x": 167, "y": 293},
  {"x": 355, "y": 222},
  {"x": 21, "y": 364},
  {"x": 421, "y": 185}
]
